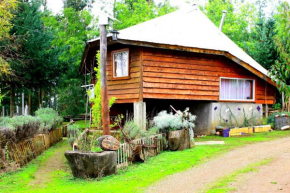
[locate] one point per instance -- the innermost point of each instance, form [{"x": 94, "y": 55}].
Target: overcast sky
[{"x": 56, "y": 5}]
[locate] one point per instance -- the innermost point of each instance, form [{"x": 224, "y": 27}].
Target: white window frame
[{"x": 232, "y": 78}]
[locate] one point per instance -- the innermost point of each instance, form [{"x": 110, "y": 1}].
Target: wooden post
[{"x": 104, "y": 87}]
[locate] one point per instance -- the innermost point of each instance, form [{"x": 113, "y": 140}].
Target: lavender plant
[
  {"x": 49, "y": 118},
  {"x": 169, "y": 121}
]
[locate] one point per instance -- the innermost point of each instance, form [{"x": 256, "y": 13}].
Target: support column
[{"x": 140, "y": 114}]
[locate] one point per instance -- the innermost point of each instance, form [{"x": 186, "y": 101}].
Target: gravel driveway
[{"x": 199, "y": 177}]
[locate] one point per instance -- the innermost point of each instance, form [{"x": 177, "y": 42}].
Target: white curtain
[
  {"x": 236, "y": 89},
  {"x": 121, "y": 64}
]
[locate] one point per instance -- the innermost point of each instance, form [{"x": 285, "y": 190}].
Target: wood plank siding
[
  {"x": 125, "y": 90},
  {"x": 171, "y": 74}
]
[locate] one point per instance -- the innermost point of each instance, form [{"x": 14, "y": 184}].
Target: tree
[
  {"x": 72, "y": 30},
  {"x": 6, "y": 15},
  {"x": 280, "y": 72},
  {"x": 239, "y": 18},
  {"x": 261, "y": 45},
  {"x": 38, "y": 67},
  {"x": 77, "y": 5},
  {"x": 132, "y": 12}
]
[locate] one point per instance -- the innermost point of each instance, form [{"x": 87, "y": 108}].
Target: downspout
[{"x": 223, "y": 20}]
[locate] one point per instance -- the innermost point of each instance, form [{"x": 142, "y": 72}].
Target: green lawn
[
  {"x": 81, "y": 123},
  {"x": 138, "y": 176}
]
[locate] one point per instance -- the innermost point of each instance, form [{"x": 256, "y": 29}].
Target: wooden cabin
[{"x": 182, "y": 59}]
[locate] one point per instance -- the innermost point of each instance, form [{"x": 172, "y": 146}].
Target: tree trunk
[
  {"x": 92, "y": 165},
  {"x": 54, "y": 101},
  {"x": 41, "y": 93},
  {"x": 29, "y": 102},
  {"x": 12, "y": 102}
]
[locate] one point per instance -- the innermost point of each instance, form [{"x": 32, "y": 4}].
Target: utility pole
[{"x": 104, "y": 88}]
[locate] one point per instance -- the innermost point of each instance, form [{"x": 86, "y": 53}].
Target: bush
[
  {"x": 169, "y": 121},
  {"x": 73, "y": 130},
  {"x": 49, "y": 119},
  {"x": 271, "y": 118},
  {"x": 19, "y": 127},
  {"x": 276, "y": 106},
  {"x": 133, "y": 131}
]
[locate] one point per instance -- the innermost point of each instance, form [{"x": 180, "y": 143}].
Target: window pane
[
  {"x": 120, "y": 64},
  {"x": 234, "y": 89},
  {"x": 241, "y": 89},
  {"x": 249, "y": 89}
]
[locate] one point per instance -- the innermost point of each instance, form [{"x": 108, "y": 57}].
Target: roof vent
[{"x": 223, "y": 20}]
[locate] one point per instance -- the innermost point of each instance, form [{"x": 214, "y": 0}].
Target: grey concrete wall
[
  {"x": 211, "y": 114},
  {"x": 227, "y": 114},
  {"x": 203, "y": 112}
]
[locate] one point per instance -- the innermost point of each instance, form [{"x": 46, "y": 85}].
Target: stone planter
[
  {"x": 179, "y": 140},
  {"x": 281, "y": 121},
  {"x": 92, "y": 165}
]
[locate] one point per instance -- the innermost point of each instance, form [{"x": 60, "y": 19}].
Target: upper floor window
[
  {"x": 237, "y": 89},
  {"x": 120, "y": 63}
]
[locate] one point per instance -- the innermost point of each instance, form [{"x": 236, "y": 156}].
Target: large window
[
  {"x": 120, "y": 63},
  {"x": 237, "y": 89}
]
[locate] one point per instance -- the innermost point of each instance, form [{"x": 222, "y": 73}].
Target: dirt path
[
  {"x": 55, "y": 162},
  {"x": 198, "y": 178},
  {"x": 273, "y": 177}
]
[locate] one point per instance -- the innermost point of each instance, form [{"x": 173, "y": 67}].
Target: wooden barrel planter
[{"x": 91, "y": 164}]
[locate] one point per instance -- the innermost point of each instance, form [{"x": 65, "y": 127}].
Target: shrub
[
  {"x": 49, "y": 119},
  {"x": 169, "y": 121},
  {"x": 19, "y": 127},
  {"x": 73, "y": 130},
  {"x": 276, "y": 106},
  {"x": 133, "y": 131}
]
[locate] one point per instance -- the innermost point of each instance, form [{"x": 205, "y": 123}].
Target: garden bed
[
  {"x": 16, "y": 155},
  {"x": 23, "y": 138}
]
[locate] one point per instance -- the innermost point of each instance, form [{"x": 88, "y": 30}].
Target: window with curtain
[
  {"x": 236, "y": 89},
  {"x": 120, "y": 64}
]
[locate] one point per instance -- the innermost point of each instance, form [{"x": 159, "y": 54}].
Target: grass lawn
[
  {"x": 134, "y": 179},
  {"x": 81, "y": 123}
]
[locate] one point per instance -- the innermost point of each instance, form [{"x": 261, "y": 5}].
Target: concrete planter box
[
  {"x": 92, "y": 165},
  {"x": 262, "y": 128},
  {"x": 240, "y": 131},
  {"x": 229, "y": 132}
]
